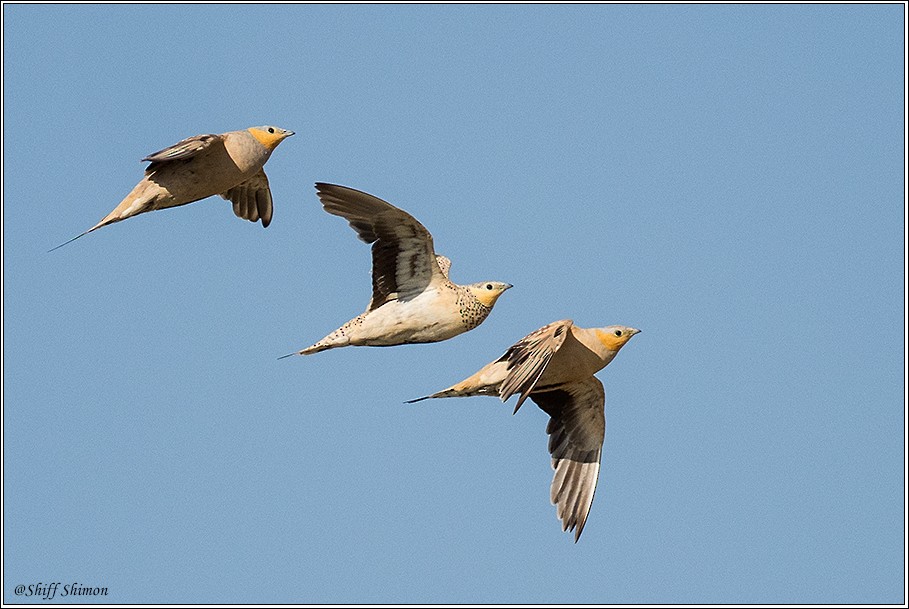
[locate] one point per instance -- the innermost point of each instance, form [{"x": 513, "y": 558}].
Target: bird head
[
  {"x": 269, "y": 136},
  {"x": 615, "y": 337},
  {"x": 487, "y": 292}
]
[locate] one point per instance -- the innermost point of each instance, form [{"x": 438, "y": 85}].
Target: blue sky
[{"x": 728, "y": 178}]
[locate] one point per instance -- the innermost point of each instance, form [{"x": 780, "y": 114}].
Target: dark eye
[
  {"x": 488, "y": 286},
  {"x": 271, "y": 129},
  {"x": 618, "y": 332}
]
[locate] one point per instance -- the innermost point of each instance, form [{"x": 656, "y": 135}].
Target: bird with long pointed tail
[
  {"x": 227, "y": 164},
  {"x": 555, "y": 366},
  {"x": 413, "y": 301}
]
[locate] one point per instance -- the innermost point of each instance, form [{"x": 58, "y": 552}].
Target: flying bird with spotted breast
[
  {"x": 555, "y": 366},
  {"x": 413, "y": 300},
  {"x": 227, "y": 164}
]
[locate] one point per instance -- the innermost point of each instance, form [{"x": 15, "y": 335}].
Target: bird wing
[
  {"x": 184, "y": 149},
  {"x": 252, "y": 199},
  {"x": 528, "y": 358},
  {"x": 403, "y": 259},
  {"x": 576, "y": 429},
  {"x": 444, "y": 264}
]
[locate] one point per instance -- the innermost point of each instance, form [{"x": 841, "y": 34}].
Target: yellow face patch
[
  {"x": 269, "y": 139},
  {"x": 613, "y": 342},
  {"x": 486, "y": 297}
]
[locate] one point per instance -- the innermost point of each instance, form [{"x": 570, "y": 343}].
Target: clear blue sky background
[{"x": 727, "y": 178}]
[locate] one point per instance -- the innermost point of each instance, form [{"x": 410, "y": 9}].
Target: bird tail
[
  {"x": 448, "y": 393},
  {"x": 486, "y": 381},
  {"x": 107, "y": 220},
  {"x": 332, "y": 341},
  {"x": 318, "y": 348},
  {"x": 136, "y": 202},
  {"x": 461, "y": 390},
  {"x": 73, "y": 239},
  {"x": 309, "y": 350}
]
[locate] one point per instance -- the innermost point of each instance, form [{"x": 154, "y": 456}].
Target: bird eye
[
  {"x": 271, "y": 129},
  {"x": 488, "y": 286},
  {"x": 618, "y": 332}
]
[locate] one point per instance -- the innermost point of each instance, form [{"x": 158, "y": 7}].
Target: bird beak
[
  {"x": 635, "y": 331},
  {"x": 508, "y": 286},
  {"x": 289, "y": 133}
]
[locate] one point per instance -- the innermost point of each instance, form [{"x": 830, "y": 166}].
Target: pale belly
[{"x": 424, "y": 319}]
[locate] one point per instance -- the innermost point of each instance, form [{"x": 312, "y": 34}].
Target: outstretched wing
[
  {"x": 252, "y": 199},
  {"x": 528, "y": 358},
  {"x": 403, "y": 259},
  {"x": 184, "y": 149},
  {"x": 576, "y": 430}
]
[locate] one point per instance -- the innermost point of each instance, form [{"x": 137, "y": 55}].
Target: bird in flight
[
  {"x": 555, "y": 366},
  {"x": 413, "y": 300},
  {"x": 227, "y": 164}
]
